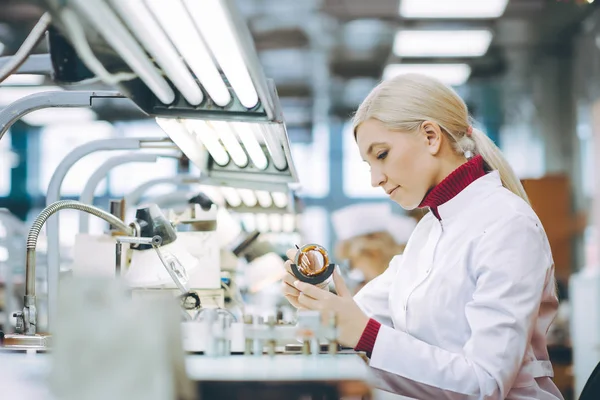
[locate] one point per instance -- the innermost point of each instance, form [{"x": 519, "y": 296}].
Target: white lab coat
[{"x": 465, "y": 309}]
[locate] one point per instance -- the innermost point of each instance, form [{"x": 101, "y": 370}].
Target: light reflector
[
  {"x": 450, "y": 74},
  {"x": 143, "y": 26},
  {"x": 452, "y": 9},
  {"x": 176, "y": 22},
  {"x": 212, "y": 22},
  {"x": 442, "y": 43}
]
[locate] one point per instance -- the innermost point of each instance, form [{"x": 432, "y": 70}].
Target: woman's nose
[{"x": 377, "y": 178}]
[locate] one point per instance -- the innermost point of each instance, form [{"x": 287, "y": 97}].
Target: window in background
[
  {"x": 586, "y": 150},
  {"x": 356, "y": 172},
  {"x": 56, "y": 141},
  {"x": 127, "y": 177},
  {"x": 6, "y": 163},
  {"x": 312, "y": 163},
  {"x": 523, "y": 150}
]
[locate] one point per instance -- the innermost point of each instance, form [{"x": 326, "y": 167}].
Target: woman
[{"x": 464, "y": 312}]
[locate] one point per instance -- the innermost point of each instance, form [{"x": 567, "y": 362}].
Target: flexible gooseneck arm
[{"x": 29, "y": 315}]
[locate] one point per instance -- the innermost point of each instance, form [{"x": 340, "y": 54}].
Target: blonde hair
[{"x": 404, "y": 102}]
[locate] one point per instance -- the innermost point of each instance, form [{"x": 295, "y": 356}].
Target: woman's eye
[{"x": 382, "y": 155}]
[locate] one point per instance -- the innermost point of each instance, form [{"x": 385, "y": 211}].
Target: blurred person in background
[{"x": 368, "y": 236}]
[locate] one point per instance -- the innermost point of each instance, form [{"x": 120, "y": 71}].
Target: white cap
[{"x": 362, "y": 219}]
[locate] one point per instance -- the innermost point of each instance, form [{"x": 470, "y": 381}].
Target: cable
[
  {"x": 81, "y": 45},
  {"x": 32, "y": 40}
]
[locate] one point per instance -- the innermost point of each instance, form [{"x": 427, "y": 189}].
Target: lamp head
[
  {"x": 152, "y": 222},
  {"x": 146, "y": 269}
]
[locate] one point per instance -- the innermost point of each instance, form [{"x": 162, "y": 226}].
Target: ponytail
[{"x": 495, "y": 160}]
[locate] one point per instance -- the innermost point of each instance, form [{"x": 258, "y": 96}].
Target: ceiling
[{"x": 326, "y": 55}]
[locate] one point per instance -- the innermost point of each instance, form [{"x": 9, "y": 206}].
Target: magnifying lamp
[{"x": 146, "y": 269}]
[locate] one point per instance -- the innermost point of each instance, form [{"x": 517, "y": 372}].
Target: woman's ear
[{"x": 433, "y": 135}]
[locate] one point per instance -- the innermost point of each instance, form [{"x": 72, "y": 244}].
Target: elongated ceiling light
[
  {"x": 442, "y": 43},
  {"x": 216, "y": 29},
  {"x": 467, "y": 9},
  {"x": 104, "y": 20},
  {"x": 240, "y": 154},
  {"x": 143, "y": 26},
  {"x": 450, "y": 74},
  {"x": 176, "y": 22}
]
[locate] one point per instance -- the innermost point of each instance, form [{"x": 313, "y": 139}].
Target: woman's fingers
[
  {"x": 290, "y": 290},
  {"x": 308, "y": 302},
  {"x": 291, "y": 254},
  {"x": 294, "y": 301}
]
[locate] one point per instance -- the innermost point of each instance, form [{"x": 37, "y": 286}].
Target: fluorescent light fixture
[
  {"x": 450, "y": 74},
  {"x": 275, "y": 222},
  {"x": 232, "y": 145},
  {"x": 246, "y": 133},
  {"x": 189, "y": 143},
  {"x": 272, "y": 136},
  {"x": 264, "y": 198},
  {"x": 249, "y": 222},
  {"x": 248, "y": 197},
  {"x": 176, "y": 22},
  {"x": 105, "y": 22},
  {"x": 232, "y": 196},
  {"x": 23, "y": 80},
  {"x": 262, "y": 222},
  {"x": 442, "y": 43},
  {"x": 280, "y": 199},
  {"x": 49, "y": 116},
  {"x": 143, "y": 26},
  {"x": 289, "y": 222},
  {"x": 211, "y": 19},
  {"x": 467, "y": 9},
  {"x": 221, "y": 143},
  {"x": 210, "y": 140}
]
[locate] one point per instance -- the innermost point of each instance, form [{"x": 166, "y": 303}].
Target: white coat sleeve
[
  {"x": 373, "y": 298},
  {"x": 511, "y": 264}
]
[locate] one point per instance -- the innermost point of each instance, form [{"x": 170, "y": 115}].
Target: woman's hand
[
  {"x": 289, "y": 290},
  {"x": 351, "y": 321}
]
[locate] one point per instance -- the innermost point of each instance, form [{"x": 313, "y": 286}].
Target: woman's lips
[{"x": 393, "y": 191}]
